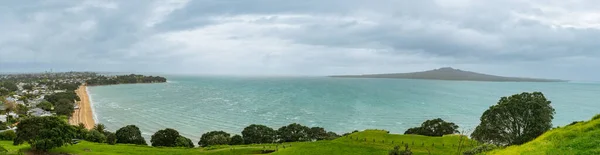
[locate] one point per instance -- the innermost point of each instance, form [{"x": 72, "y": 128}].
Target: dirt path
[{"x": 84, "y": 114}]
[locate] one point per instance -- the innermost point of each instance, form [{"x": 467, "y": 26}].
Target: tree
[
  {"x": 256, "y": 134},
  {"x": 293, "y": 133},
  {"x": 184, "y": 142},
  {"x": 22, "y": 110},
  {"x": 214, "y": 138},
  {"x": 64, "y": 107},
  {"x": 80, "y": 131},
  {"x": 8, "y": 135},
  {"x": 167, "y": 137},
  {"x": 28, "y": 87},
  {"x": 3, "y": 126},
  {"x": 10, "y": 86},
  {"x": 44, "y": 133},
  {"x": 332, "y": 135},
  {"x": 236, "y": 140},
  {"x": 130, "y": 134},
  {"x": 515, "y": 119},
  {"x": 95, "y": 136},
  {"x": 436, "y": 127},
  {"x": 317, "y": 133},
  {"x": 111, "y": 138},
  {"x": 100, "y": 128},
  {"x": 45, "y": 105}
]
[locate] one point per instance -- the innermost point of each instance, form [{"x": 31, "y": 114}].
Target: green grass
[
  {"x": 11, "y": 148},
  {"x": 348, "y": 146},
  {"x": 344, "y": 145},
  {"x": 581, "y": 138}
]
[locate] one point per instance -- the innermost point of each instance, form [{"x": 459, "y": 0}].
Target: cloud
[{"x": 543, "y": 38}]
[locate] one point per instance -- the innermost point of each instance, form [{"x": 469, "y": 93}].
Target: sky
[{"x": 538, "y": 38}]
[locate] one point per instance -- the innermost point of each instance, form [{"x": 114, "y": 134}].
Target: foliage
[
  {"x": 184, "y": 142},
  {"x": 111, "y": 138},
  {"x": 167, "y": 137},
  {"x": 64, "y": 107},
  {"x": 236, "y": 140},
  {"x": 69, "y": 96},
  {"x": 45, "y": 105},
  {"x": 318, "y": 133},
  {"x": 130, "y": 134},
  {"x": 515, "y": 120},
  {"x": 3, "y": 126},
  {"x": 256, "y": 134},
  {"x": 28, "y": 87},
  {"x": 480, "y": 149},
  {"x": 10, "y": 86},
  {"x": 397, "y": 151},
  {"x": 596, "y": 117},
  {"x": 124, "y": 79},
  {"x": 214, "y": 138},
  {"x": 332, "y": 135},
  {"x": 293, "y": 133},
  {"x": 436, "y": 127},
  {"x": 100, "y": 128},
  {"x": 80, "y": 131},
  {"x": 8, "y": 135},
  {"x": 22, "y": 110},
  {"x": 580, "y": 138},
  {"x": 95, "y": 136},
  {"x": 44, "y": 133}
]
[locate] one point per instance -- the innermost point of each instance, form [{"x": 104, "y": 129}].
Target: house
[
  {"x": 4, "y": 117},
  {"x": 38, "y": 112}
]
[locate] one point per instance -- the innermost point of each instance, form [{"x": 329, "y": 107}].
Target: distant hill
[{"x": 448, "y": 73}]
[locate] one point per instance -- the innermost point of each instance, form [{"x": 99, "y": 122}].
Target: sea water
[{"x": 195, "y": 105}]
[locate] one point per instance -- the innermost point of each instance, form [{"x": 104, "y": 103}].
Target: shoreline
[{"x": 84, "y": 114}]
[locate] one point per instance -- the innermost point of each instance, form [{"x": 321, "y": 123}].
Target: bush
[
  {"x": 3, "y": 126},
  {"x": 236, "y": 140},
  {"x": 167, "y": 137},
  {"x": 44, "y": 133},
  {"x": 95, "y": 136},
  {"x": 596, "y": 117},
  {"x": 111, "y": 138},
  {"x": 480, "y": 149},
  {"x": 214, "y": 138},
  {"x": 130, "y": 134},
  {"x": 397, "y": 151},
  {"x": 8, "y": 135},
  {"x": 436, "y": 127},
  {"x": 184, "y": 142}
]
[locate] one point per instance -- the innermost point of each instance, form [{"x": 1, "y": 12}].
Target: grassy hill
[
  {"x": 377, "y": 142},
  {"x": 580, "y": 138}
]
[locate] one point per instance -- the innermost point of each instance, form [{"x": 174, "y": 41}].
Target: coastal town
[{"x": 54, "y": 94}]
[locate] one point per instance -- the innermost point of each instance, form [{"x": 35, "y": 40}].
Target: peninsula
[{"x": 448, "y": 73}]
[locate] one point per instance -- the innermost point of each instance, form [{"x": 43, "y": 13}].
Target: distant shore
[{"x": 84, "y": 113}]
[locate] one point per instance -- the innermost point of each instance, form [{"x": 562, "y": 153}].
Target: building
[{"x": 38, "y": 112}]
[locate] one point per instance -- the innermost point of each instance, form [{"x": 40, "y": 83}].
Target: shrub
[
  {"x": 130, "y": 134},
  {"x": 44, "y": 133},
  {"x": 236, "y": 140},
  {"x": 436, "y": 127},
  {"x": 95, "y": 136},
  {"x": 8, "y": 135},
  {"x": 480, "y": 149},
  {"x": 214, "y": 138},
  {"x": 397, "y": 151},
  {"x": 184, "y": 142},
  {"x": 167, "y": 137},
  {"x": 111, "y": 138},
  {"x": 596, "y": 117}
]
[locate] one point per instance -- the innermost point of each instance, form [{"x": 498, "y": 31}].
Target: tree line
[{"x": 124, "y": 79}]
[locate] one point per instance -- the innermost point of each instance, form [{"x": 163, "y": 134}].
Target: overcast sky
[{"x": 543, "y": 38}]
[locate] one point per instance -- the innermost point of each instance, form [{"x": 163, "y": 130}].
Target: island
[{"x": 448, "y": 73}]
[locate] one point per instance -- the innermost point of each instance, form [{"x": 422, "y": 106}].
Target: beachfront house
[{"x": 38, "y": 112}]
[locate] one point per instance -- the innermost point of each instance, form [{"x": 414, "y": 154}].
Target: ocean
[{"x": 194, "y": 105}]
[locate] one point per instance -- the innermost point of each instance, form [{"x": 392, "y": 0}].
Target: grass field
[
  {"x": 581, "y": 138},
  {"x": 377, "y": 142}
]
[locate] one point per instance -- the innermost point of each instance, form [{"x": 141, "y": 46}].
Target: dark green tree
[
  {"x": 293, "y": 133},
  {"x": 22, "y": 110},
  {"x": 45, "y": 105},
  {"x": 100, "y": 128},
  {"x": 184, "y": 142},
  {"x": 332, "y": 135},
  {"x": 64, "y": 107},
  {"x": 28, "y": 87},
  {"x": 214, "y": 138},
  {"x": 130, "y": 134},
  {"x": 317, "y": 133},
  {"x": 80, "y": 131},
  {"x": 111, "y": 138},
  {"x": 436, "y": 127},
  {"x": 167, "y": 137},
  {"x": 236, "y": 140},
  {"x": 44, "y": 133},
  {"x": 515, "y": 120},
  {"x": 10, "y": 86},
  {"x": 256, "y": 134},
  {"x": 95, "y": 136},
  {"x": 3, "y": 126}
]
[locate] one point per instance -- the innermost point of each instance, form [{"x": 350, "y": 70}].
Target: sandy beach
[{"x": 84, "y": 114}]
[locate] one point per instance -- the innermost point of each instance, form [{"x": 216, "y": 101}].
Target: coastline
[{"x": 84, "y": 113}]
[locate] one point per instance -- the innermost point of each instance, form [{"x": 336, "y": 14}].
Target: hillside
[
  {"x": 580, "y": 138},
  {"x": 448, "y": 73},
  {"x": 377, "y": 142}
]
